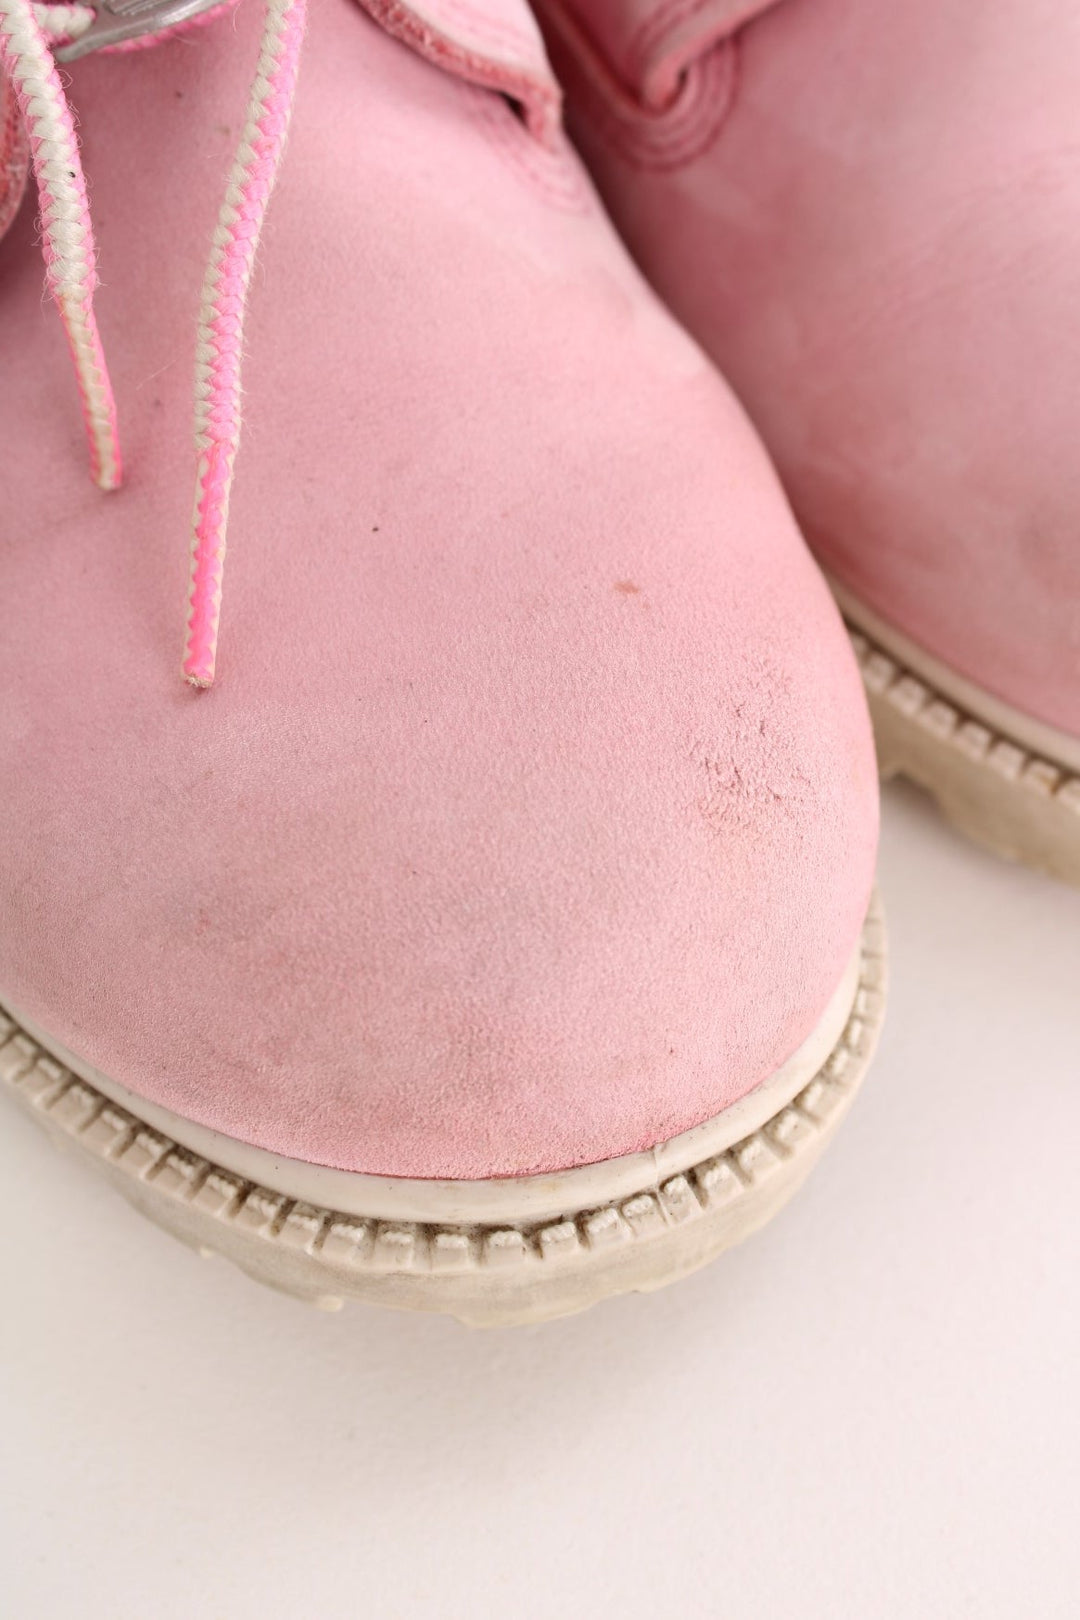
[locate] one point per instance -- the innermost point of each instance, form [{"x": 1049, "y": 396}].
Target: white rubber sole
[
  {"x": 1009, "y": 783},
  {"x": 490, "y": 1253}
]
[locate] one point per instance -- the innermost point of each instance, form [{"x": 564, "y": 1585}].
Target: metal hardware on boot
[{"x": 118, "y": 20}]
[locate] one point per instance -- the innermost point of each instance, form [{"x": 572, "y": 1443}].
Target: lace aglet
[
  {"x": 207, "y": 564},
  {"x": 106, "y": 470},
  {"x": 200, "y": 651},
  {"x": 95, "y": 390}
]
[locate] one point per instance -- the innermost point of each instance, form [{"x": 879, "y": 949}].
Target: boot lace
[{"x": 29, "y": 34}]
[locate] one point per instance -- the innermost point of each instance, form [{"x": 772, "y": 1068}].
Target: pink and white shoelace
[{"x": 29, "y": 33}]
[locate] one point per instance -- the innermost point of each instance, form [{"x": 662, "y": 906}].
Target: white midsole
[
  {"x": 514, "y": 1199},
  {"x": 1035, "y": 736}
]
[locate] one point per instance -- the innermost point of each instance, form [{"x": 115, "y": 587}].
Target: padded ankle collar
[{"x": 650, "y": 44}]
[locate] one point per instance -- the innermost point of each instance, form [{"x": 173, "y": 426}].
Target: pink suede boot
[
  {"x": 497, "y": 933},
  {"x": 869, "y": 213}
]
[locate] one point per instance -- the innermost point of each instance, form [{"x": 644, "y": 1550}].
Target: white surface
[{"x": 871, "y": 1409}]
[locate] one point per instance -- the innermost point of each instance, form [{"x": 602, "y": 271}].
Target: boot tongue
[
  {"x": 649, "y": 44},
  {"x": 494, "y": 43},
  {"x": 14, "y": 156}
]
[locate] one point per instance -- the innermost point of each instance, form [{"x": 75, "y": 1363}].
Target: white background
[{"x": 871, "y": 1409}]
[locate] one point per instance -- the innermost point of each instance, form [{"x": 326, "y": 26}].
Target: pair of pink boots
[{"x": 499, "y": 933}]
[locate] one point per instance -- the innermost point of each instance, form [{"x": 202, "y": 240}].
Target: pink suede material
[
  {"x": 879, "y": 243},
  {"x": 533, "y": 817}
]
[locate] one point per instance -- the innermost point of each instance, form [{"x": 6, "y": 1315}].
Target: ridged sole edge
[
  {"x": 483, "y": 1275},
  {"x": 1002, "y": 795}
]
